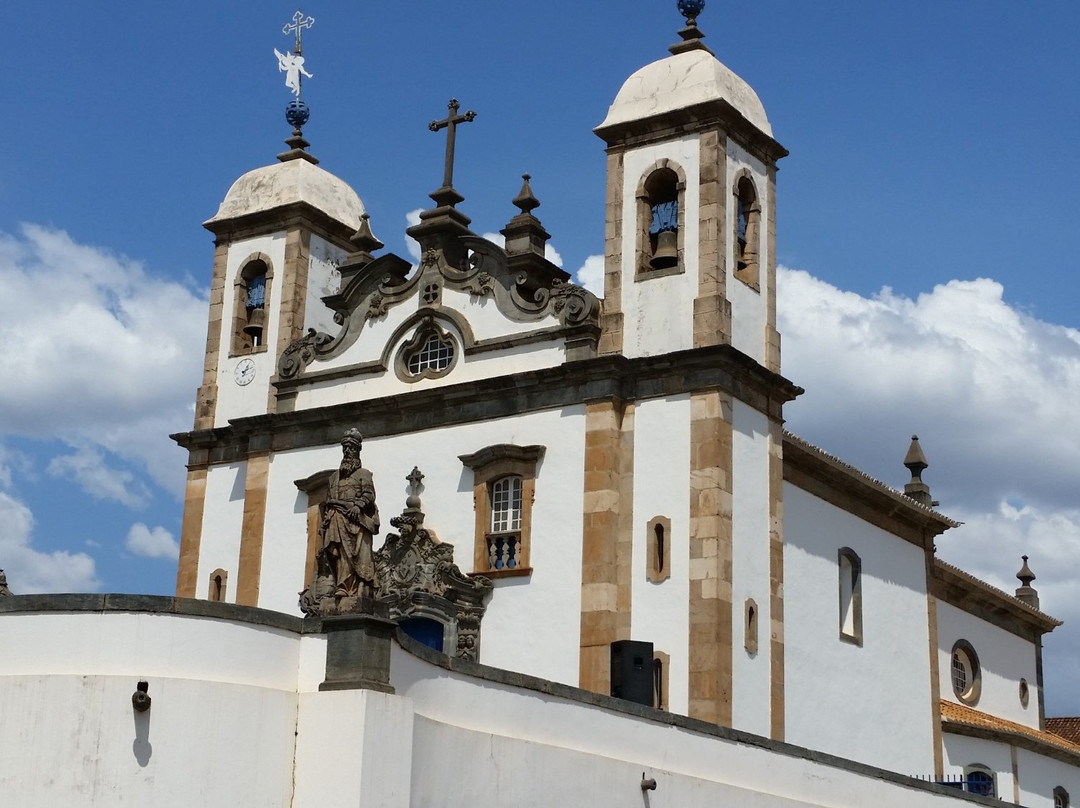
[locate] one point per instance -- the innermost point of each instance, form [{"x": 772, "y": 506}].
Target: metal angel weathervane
[{"x": 292, "y": 65}]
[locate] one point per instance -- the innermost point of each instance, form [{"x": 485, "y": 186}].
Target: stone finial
[
  {"x": 526, "y": 201},
  {"x": 412, "y": 502},
  {"x": 524, "y": 233},
  {"x": 364, "y": 243},
  {"x": 4, "y": 591},
  {"x": 691, "y": 34},
  {"x": 916, "y": 463},
  {"x": 1026, "y": 592}
]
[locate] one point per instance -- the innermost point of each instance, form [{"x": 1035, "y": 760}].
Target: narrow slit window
[{"x": 850, "y": 586}]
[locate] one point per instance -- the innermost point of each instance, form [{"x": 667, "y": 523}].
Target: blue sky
[{"x": 926, "y": 229}]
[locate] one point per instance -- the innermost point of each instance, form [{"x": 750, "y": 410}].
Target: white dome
[
  {"x": 285, "y": 183},
  {"x": 681, "y": 81}
]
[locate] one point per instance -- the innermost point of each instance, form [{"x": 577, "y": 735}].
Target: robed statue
[{"x": 345, "y": 567}]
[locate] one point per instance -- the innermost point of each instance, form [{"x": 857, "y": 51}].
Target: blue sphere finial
[
  {"x": 691, "y": 9},
  {"x": 297, "y": 113}
]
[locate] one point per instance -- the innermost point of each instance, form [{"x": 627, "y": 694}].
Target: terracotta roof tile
[
  {"x": 952, "y": 713},
  {"x": 1068, "y": 727}
]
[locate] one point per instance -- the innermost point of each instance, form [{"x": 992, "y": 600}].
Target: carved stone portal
[{"x": 417, "y": 577}]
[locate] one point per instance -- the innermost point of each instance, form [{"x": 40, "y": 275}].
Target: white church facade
[{"x": 645, "y": 589}]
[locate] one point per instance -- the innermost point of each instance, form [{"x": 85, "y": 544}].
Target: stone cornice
[
  {"x": 846, "y": 487},
  {"x": 957, "y": 588},
  {"x": 690, "y": 120},
  {"x": 606, "y": 377},
  {"x": 285, "y": 217}
]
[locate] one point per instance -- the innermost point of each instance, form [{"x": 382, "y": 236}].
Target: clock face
[{"x": 245, "y": 372}]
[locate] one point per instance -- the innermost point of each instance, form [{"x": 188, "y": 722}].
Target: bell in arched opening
[{"x": 662, "y": 192}]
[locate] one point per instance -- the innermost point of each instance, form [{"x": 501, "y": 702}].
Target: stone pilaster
[
  {"x": 776, "y": 581},
  {"x": 187, "y": 570},
  {"x": 772, "y": 336},
  {"x": 712, "y": 310},
  {"x": 710, "y": 557},
  {"x": 611, "y": 320},
  {"x": 206, "y": 398},
  {"x": 606, "y": 538},
  {"x": 249, "y": 568},
  {"x": 935, "y": 681},
  {"x": 294, "y": 279}
]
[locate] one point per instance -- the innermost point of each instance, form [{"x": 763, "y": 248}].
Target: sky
[{"x": 926, "y": 221}]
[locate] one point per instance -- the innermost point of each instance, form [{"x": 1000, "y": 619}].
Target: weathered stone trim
[
  {"x": 708, "y": 115},
  {"x": 611, "y": 317},
  {"x": 777, "y": 706},
  {"x": 710, "y": 557},
  {"x": 569, "y": 384},
  {"x": 522, "y": 681},
  {"x": 657, "y": 557},
  {"x": 772, "y": 336},
  {"x": 187, "y": 568},
  {"x": 751, "y": 274},
  {"x": 935, "y": 669},
  {"x": 712, "y": 309},
  {"x": 206, "y": 398},
  {"x": 296, "y": 215},
  {"x": 606, "y": 538},
  {"x": 846, "y": 487},
  {"x": 249, "y": 568},
  {"x": 315, "y": 487},
  {"x": 966, "y": 592}
]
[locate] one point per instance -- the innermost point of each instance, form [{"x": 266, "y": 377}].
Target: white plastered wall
[
  {"x": 660, "y": 612},
  {"x": 749, "y": 306},
  {"x": 960, "y": 751},
  {"x": 751, "y": 675},
  {"x": 1039, "y": 775},
  {"x": 223, "y": 517},
  {"x": 323, "y": 279},
  {"x": 233, "y": 400},
  {"x": 532, "y": 623},
  {"x": 1004, "y": 659},
  {"x": 658, "y": 312},
  {"x": 838, "y": 696}
]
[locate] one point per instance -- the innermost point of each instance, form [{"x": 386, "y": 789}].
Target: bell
[
  {"x": 255, "y": 323},
  {"x": 667, "y": 250}
]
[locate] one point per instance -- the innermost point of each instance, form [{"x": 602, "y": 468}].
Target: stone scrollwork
[
  {"x": 416, "y": 575},
  {"x": 301, "y": 352}
]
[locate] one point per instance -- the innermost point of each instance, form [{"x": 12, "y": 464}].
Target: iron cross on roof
[
  {"x": 450, "y": 123},
  {"x": 297, "y": 26}
]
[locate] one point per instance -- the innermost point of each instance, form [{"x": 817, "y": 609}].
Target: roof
[
  {"x": 1067, "y": 727},
  {"x": 967, "y": 592},
  {"x": 681, "y": 81},
  {"x": 289, "y": 182},
  {"x": 830, "y": 478},
  {"x": 958, "y": 718}
]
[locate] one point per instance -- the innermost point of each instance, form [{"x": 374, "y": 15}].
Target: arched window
[
  {"x": 850, "y": 590},
  {"x": 504, "y": 484},
  {"x": 429, "y": 353},
  {"x": 658, "y": 549},
  {"x": 249, "y": 316},
  {"x": 1061, "y": 797},
  {"x": 979, "y": 780},
  {"x": 219, "y": 581},
  {"x": 747, "y": 242},
  {"x": 660, "y": 670},
  {"x": 661, "y": 224},
  {"x": 750, "y": 626}
]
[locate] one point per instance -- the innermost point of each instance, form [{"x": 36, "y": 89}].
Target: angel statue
[{"x": 292, "y": 64}]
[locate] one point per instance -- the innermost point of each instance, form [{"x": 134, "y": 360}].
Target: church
[{"x": 463, "y": 533}]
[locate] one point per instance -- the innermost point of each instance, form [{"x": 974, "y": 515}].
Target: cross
[
  {"x": 297, "y": 26},
  {"x": 415, "y": 477},
  {"x": 450, "y": 123}
]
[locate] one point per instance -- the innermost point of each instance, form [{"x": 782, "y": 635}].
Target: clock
[{"x": 245, "y": 372}]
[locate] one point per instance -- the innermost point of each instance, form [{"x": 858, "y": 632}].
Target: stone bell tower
[{"x": 691, "y": 218}]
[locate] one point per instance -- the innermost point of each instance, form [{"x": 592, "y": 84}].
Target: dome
[
  {"x": 286, "y": 183},
  {"x": 681, "y": 81}
]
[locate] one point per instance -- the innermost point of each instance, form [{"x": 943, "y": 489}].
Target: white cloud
[
  {"x": 107, "y": 355},
  {"x": 551, "y": 254},
  {"x": 87, "y": 467},
  {"x": 30, "y": 571},
  {"x": 412, "y": 218},
  {"x": 991, "y": 392},
  {"x": 152, "y": 542},
  {"x": 591, "y": 275}
]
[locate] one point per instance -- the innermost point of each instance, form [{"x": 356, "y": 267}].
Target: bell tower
[{"x": 691, "y": 209}]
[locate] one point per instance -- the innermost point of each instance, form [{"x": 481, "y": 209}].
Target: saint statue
[
  {"x": 350, "y": 518},
  {"x": 292, "y": 64},
  {"x": 4, "y": 591}
]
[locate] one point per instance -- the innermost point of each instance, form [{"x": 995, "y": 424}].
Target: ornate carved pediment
[{"x": 416, "y": 577}]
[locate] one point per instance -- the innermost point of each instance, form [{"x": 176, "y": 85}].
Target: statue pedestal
[{"x": 358, "y": 652}]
